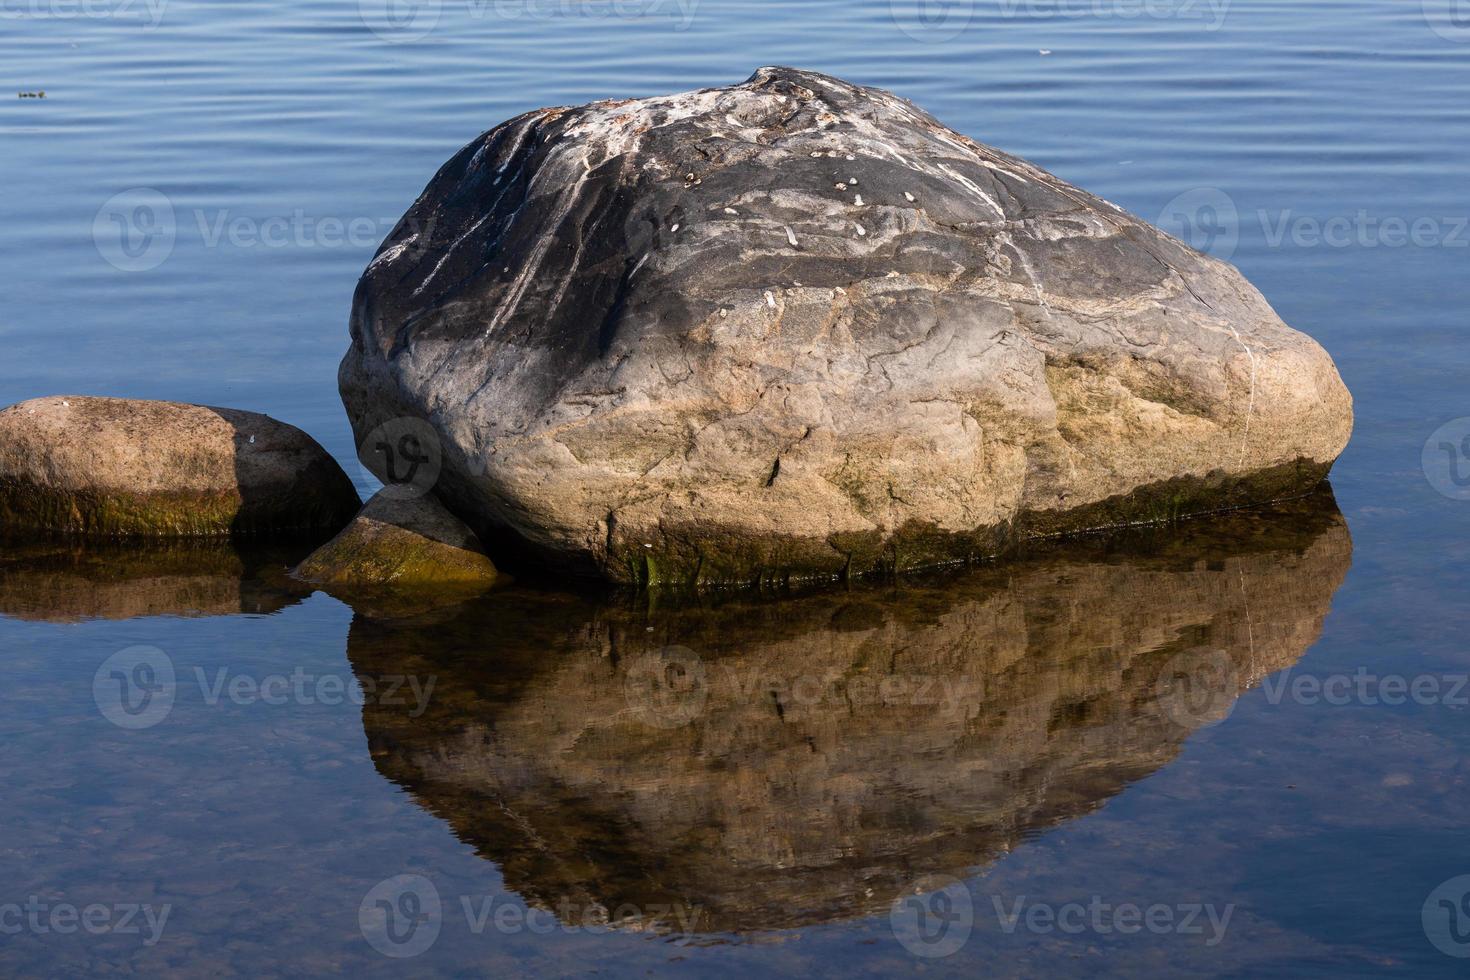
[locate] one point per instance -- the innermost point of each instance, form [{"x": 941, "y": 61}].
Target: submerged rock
[
  {"x": 797, "y": 327},
  {"x": 401, "y": 542}
]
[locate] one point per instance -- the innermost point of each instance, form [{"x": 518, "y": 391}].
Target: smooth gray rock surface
[{"x": 797, "y": 327}]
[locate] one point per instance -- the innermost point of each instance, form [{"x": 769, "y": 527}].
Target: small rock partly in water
[
  {"x": 399, "y": 542},
  {"x": 117, "y": 467}
]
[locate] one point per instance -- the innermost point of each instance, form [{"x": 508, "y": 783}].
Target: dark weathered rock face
[
  {"x": 798, "y": 327},
  {"x": 119, "y": 467}
]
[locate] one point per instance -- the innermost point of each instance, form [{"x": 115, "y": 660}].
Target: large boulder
[
  {"x": 121, "y": 467},
  {"x": 797, "y": 327}
]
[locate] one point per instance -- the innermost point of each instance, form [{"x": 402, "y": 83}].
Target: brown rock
[{"x": 119, "y": 466}]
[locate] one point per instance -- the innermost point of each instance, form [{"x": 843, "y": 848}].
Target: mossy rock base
[
  {"x": 401, "y": 544},
  {"x": 700, "y": 555}
]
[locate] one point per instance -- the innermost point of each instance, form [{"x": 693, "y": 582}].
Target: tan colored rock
[
  {"x": 401, "y": 542},
  {"x": 120, "y": 467}
]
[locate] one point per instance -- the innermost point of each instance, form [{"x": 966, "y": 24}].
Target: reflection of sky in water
[{"x": 265, "y": 825}]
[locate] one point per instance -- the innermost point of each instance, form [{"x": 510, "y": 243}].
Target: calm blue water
[{"x": 1321, "y": 145}]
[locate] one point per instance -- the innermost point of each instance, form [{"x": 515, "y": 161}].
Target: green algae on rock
[
  {"x": 121, "y": 467},
  {"x": 403, "y": 543}
]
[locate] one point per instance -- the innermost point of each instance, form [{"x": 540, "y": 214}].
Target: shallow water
[{"x": 1118, "y": 721}]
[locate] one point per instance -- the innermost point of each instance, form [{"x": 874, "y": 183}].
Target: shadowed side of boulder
[
  {"x": 119, "y": 467},
  {"x": 401, "y": 543}
]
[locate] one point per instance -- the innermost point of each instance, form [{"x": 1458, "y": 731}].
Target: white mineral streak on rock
[
  {"x": 392, "y": 252},
  {"x": 973, "y": 188}
]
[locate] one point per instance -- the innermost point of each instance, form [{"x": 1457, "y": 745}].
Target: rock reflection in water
[
  {"x": 68, "y": 580},
  {"x": 761, "y": 765}
]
